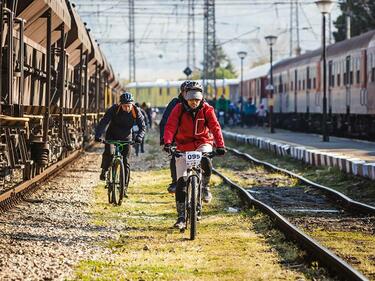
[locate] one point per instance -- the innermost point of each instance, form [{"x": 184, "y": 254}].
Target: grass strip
[{"x": 231, "y": 245}]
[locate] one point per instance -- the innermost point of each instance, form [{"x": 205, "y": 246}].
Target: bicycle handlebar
[
  {"x": 117, "y": 142},
  {"x": 177, "y": 153}
]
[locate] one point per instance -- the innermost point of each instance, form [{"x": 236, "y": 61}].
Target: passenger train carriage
[
  {"x": 55, "y": 82},
  {"x": 350, "y": 89}
]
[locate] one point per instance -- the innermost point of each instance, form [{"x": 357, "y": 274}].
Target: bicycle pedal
[
  {"x": 126, "y": 196},
  {"x": 182, "y": 230}
]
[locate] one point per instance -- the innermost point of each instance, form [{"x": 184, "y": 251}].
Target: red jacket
[{"x": 191, "y": 132}]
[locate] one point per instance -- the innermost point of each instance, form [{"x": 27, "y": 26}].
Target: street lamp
[
  {"x": 242, "y": 55},
  {"x": 325, "y": 7},
  {"x": 271, "y": 40}
]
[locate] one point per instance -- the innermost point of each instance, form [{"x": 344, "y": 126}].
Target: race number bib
[{"x": 193, "y": 158}]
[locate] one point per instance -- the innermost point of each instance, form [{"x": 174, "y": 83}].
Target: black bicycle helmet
[
  {"x": 184, "y": 84},
  {"x": 194, "y": 86},
  {"x": 126, "y": 98}
]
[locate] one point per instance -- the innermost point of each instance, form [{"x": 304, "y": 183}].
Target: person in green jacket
[{"x": 222, "y": 108}]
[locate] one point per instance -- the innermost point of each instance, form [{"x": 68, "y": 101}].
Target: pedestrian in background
[
  {"x": 147, "y": 108},
  {"x": 261, "y": 115},
  {"x": 249, "y": 111},
  {"x": 140, "y": 146}
]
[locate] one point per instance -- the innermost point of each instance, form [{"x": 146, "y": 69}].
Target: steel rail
[
  {"x": 51, "y": 170},
  {"x": 326, "y": 257},
  {"x": 346, "y": 201}
]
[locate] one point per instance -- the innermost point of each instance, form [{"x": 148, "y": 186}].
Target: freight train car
[{"x": 54, "y": 84}]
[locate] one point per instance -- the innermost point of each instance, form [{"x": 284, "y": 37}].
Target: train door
[
  {"x": 295, "y": 89},
  {"x": 348, "y": 79},
  {"x": 280, "y": 90},
  {"x": 330, "y": 86},
  {"x": 363, "y": 81},
  {"x": 371, "y": 81},
  {"x": 307, "y": 77}
]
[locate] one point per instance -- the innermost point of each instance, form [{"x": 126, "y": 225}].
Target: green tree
[
  {"x": 362, "y": 14},
  {"x": 227, "y": 71}
]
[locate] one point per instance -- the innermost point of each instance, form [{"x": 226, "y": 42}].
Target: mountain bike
[
  {"x": 193, "y": 200},
  {"x": 117, "y": 176}
]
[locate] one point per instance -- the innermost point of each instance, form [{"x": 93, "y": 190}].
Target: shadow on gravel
[
  {"x": 154, "y": 203},
  {"x": 68, "y": 241},
  {"x": 58, "y": 225},
  {"x": 146, "y": 193}
]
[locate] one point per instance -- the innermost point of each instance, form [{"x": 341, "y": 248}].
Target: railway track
[
  {"x": 298, "y": 205},
  {"x": 20, "y": 191}
]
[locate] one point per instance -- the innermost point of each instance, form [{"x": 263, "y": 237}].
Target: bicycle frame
[
  {"x": 193, "y": 201},
  {"x": 123, "y": 173}
]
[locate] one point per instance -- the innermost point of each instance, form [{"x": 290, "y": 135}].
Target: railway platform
[{"x": 349, "y": 155}]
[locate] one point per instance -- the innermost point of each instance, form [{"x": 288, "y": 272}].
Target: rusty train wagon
[{"x": 55, "y": 83}]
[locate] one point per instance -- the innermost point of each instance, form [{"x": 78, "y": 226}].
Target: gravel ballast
[{"x": 43, "y": 237}]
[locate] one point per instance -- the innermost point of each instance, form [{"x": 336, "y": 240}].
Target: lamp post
[
  {"x": 242, "y": 55},
  {"x": 325, "y": 7},
  {"x": 271, "y": 40}
]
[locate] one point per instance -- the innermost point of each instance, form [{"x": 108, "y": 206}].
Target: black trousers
[
  {"x": 138, "y": 146},
  {"x": 172, "y": 167},
  {"x": 109, "y": 150}
]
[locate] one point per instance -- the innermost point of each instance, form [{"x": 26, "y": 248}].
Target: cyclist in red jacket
[{"x": 193, "y": 126}]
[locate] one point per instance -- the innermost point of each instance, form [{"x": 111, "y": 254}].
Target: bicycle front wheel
[
  {"x": 127, "y": 178},
  {"x": 118, "y": 182},
  {"x": 110, "y": 186},
  {"x": 193, "y": 206}
]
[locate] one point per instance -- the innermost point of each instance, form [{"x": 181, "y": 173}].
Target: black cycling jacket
[{"x": 120, "y": 124}]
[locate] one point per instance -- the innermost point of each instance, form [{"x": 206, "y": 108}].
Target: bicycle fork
[{"x": 188, "y": 205}]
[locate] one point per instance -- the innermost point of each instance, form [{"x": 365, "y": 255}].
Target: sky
[{"x": 161, "y": 32}]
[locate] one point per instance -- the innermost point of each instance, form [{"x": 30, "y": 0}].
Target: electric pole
[
  {"x": 291, "y": 29},
  {"x": 348, "y": 19},
  {"x": 298, "y": 48},
  {"x": 209, "y": 55},
  {"x": 132, "y": 77}
]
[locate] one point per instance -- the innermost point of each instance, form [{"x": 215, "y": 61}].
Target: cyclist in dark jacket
[
  {"x": 120, "y": 119},
  {"x": 163, "y": 122}
]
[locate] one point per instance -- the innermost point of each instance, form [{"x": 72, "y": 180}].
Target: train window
[
  {"x": 351, "y": 77},
  {"x": 333, "y": 81},
  {"x": 303, "y": 85},
  {"x": 299, "y": 85},
  {"x": 308, "y": 83},
  {"x": 314, "y": 83},
  {"x": 358, "y": 75},
  {"x": 338, "y": 80}
]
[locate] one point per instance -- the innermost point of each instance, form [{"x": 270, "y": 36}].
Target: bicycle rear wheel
[
  {"x": 118, "y": 182},
  {"x": 193, "y": 206}
]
